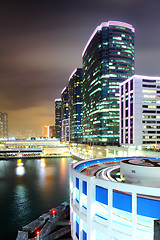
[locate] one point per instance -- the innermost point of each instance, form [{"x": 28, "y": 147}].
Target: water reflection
[
  {"x": 63, "y": 172},
  {"x": 43, "y": 162},
  {"x": 28, "y": 191},
  {"x": 19, "y": 162},
  {"x": 20, "y": 171},
  {"x": 21, "y": 203},
  {"x": 46, "y": 182}
]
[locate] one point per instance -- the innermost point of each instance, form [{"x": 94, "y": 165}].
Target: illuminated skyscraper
[
  {"x": 65, "y": 115},
  {"x": 50, "y": 131},
  {"x": 58, "y": 121},
  {"x": 75, "y": 105},
  {"x": 64, "y": 106},
  {"x": 140, "y": 111},
  {"x": 3, "y": 125},
  {"x": 108, "y": 59}
]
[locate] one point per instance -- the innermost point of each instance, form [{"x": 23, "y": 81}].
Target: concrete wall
[{"x": 145, "y": 175}]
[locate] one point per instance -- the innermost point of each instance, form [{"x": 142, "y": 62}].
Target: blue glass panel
[
  {"x": 77, "y": 183},
  {"x": 101, "y": 217},
  {"x": 84, "y": 235},
  {"x": 77, "y": 228},
  {"x": 84, "y": 187},
  {"x": 148, "y": 207},
  {"x": 102, "y": 195},
  {"x": 84, "y": 206},
  {"x": 122, "y": 201}
]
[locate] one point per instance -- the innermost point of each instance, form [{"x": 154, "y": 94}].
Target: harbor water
[{"x": 29, "y": 188}]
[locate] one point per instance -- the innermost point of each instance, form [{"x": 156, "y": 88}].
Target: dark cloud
[{"x": 42, "y": 43}]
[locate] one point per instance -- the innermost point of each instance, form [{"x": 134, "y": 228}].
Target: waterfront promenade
[
  {"x": 85, "y": 151},
  {"x": 37, "y": 148}
]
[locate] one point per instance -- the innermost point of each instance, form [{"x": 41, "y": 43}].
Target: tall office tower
[
  {"x": 108, "y": 59},
  {"x": 75, "y": 105},
  {"x": 3, "y": 125},
  {"x": 65, "y": 135},
  {"x": 58, "y": 121},
  {"x": 50, "y": 131},
  {"x": 140, "y": 111}
]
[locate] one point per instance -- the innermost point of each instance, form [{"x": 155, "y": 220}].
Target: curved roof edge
[
  {"x": 72, "y": 74},
  {"x": 107, "y": 24},
  {"x": 57, "y": 100},
  {"x": 75, "y": 70},
  {"x": 65, "y": 88}
]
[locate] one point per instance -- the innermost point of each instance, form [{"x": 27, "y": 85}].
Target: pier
[{"x": 54, "y": 224}]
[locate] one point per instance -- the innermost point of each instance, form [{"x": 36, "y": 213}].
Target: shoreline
[{"x": 30, "y": 157}]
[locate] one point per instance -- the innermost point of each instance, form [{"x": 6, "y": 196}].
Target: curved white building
[{"x": 105, "y": 207}]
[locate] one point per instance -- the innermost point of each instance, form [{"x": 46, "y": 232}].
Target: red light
[
  {"x": 38, "y": 232},
  {"x": 53, "y": 211}
]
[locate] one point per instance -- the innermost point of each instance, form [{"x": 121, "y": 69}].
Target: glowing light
[
  {"x": 19, "y": 162},
  {"x": 38, "y": 233},
  {"x": 54, "y": 212},
  {"x": 47, "y": 130},
  {"x": 20, "y": 171},
  {"x": 43, "y": 162},
  {"x": 63, "y": 171}
]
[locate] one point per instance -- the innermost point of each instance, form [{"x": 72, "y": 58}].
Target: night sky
[{"x": 41, "y": 43}]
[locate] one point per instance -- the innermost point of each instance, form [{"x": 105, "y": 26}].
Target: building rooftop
[{"x": 143, "y": 162}]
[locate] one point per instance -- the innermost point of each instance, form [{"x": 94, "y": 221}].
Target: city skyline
[{"x": 42, "y": 43}]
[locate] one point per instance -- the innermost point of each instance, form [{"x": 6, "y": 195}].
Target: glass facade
[
  {"x": 3, "y": 125},
  {"x": 65, "y": 115},
  {"x": 108, "y": 59},
  {"x": 58, "y": 122},
  {"x": 64, "y": 107},
  {"x": 75, "y": 105}
]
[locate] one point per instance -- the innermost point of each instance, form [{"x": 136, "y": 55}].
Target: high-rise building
[
  {"x": 140, "y": 111},
  {"x": 75, "y": 105},
  {"x": 58, "y": 121},
  {"x": 108, "y": 59},
  {"x": 3, "y": 125},
  {"x": 50, "y": 131},
  {"x": 64, "y": 106},
  {"x": 65, "y": 115}
]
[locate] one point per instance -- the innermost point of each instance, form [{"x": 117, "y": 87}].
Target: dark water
[{"x": 28, "y": 191}]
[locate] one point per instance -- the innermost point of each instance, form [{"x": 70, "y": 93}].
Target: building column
[
  {"x": 134, "y": 215},
  {"x": 80, "y": 195},
  {"x": 80, "y": 229},
  {"x": 90, "y": 208},
  {"x": 110, "y": 205},
  {"x": 74, "y": 226}
]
